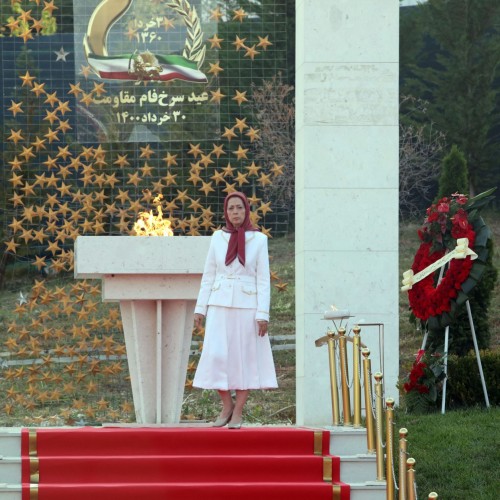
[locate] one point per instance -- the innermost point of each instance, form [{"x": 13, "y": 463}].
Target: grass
[{"x": 457, "y": 453}]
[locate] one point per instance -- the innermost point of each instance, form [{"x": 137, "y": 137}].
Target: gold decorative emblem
[{"x": 145, "y": 65}]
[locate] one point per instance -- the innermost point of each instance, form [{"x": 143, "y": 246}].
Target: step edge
[
  {"x": 12, "y": 486},
  {"x": 345, "y": 430},
  {"x": 369, "y": 484},
  {"x": 360, "y": 457},
  {"x": 176, "y": 456}
]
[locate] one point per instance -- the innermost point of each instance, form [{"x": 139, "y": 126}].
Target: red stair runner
[{"x": 175, "y": 463}]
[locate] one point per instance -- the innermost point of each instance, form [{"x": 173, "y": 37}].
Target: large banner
[{"x": 147, "y": 64}]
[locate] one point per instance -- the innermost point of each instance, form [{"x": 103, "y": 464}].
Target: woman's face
[{"x": 235, "y": 211}]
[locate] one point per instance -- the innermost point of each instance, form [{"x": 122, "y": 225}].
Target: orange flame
[{"x": 149, "y": 224}]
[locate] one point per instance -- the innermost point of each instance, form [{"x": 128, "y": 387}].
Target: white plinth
[
  {"x": 346, "y": 202},
  {"x": 156, "y": 280}
]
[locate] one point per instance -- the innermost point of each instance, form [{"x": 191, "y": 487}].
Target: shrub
[
  {"x": 454, "y": 178},
  {"x": 464, "y": 386}
]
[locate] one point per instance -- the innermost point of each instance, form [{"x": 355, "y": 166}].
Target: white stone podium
[{"x": 156, "y": 279}]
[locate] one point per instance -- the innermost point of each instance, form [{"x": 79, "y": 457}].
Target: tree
[
  {"x": 460, "y": 79},
  {"x": 453, "y": 174},
  {"x": 421, "y": 148},
  {"x": 274, "y": 109}
]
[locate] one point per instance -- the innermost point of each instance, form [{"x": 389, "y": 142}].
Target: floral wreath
[
  {"x": 447, "y": 220},
  {"x": 424, "y": 382}
]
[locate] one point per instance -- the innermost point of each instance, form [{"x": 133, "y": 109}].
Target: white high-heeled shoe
[
  {"x": 222, "y": 421},
  {"x": 235, "y": 425}
]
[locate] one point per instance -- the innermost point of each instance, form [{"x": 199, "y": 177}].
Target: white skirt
[{"x": 234, "y": 356}]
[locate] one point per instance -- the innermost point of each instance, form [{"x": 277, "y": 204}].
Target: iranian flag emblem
[{"x": 146, "y": 66}]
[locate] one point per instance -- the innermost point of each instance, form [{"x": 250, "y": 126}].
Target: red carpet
[{"x": 179, "y": 464}]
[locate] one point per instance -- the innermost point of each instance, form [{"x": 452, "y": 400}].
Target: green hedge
[{"x": 464, "y": 386}]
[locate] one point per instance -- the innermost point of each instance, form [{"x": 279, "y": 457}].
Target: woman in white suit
[{"x": 234, "y": 297}]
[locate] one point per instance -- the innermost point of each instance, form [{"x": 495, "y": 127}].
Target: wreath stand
[{"x": 445, "y": 353}]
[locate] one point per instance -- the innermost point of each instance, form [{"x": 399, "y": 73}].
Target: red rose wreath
[{"x": 448, "y": 220}]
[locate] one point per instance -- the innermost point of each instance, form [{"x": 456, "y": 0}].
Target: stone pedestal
[{"x": 156, "y": 280}]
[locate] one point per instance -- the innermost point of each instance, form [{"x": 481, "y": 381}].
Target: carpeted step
[
  {"x": 190, "y": 491},
  {"x": 172, "y": 441},
  {"x": 179, "y": 464},
  {"x": 180, "y": 468}
]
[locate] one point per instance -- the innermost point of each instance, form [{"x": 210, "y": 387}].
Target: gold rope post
[
  {"x": 355, "y": 375},
  {"x": 403, "y": 446},
  {"x": 389, "y": 447},
  {"x": 410, "y": 474},
  {"x": 367, "y": 380},
  {"x": 344, "y": 377},
  {"x": 378, "y": 426},
  {"x": 333, "y": 378}
]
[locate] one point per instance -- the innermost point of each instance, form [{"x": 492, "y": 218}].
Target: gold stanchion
[
  {"x": 389, "y": 447},
  {"x": 356, "y": 421},
  {"x": 333, "y": 378},
  {"x": 410, "y": 483},
  {"x": 344, "y": 377},
  {"x": 402, "y": 462},
  {"x": 433, "y": 495},
  {"x": 378, "y": 426},
  {"x": 367, "y": 380}
]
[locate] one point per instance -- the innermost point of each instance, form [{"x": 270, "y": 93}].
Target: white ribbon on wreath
[{"x": 461, "y": 251}]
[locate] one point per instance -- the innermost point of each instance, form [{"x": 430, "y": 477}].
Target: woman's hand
[
  {"x": 198, "y": 320},
  {"x": 262, "y": 327}
]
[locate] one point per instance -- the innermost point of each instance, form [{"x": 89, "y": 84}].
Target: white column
[{"x": 346, "y": 184}]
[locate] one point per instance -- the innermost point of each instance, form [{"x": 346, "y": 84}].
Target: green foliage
[
  {"x": 49, "y": 23},
  {"x": 423, "y": 385},
  {"x": 457, "y": 71},
  {"x": 454, "y": 177},
  {"x": 9, "y": 14},
  {"x": 419, "y": 404},
  {"x": 464, "y": 384}
]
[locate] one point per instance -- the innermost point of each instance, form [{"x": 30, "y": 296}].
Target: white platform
[
  {"x": 357, "y": 468},
  {"x": 10, "y": 463}
]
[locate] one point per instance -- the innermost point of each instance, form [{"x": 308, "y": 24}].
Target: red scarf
[{"x": 236, "y": 245}]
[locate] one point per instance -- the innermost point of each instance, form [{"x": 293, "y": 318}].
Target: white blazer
[{"x": 247, "y": 287}]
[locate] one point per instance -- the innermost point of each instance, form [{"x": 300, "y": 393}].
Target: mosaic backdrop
[{"x": 111, "y": 109}]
